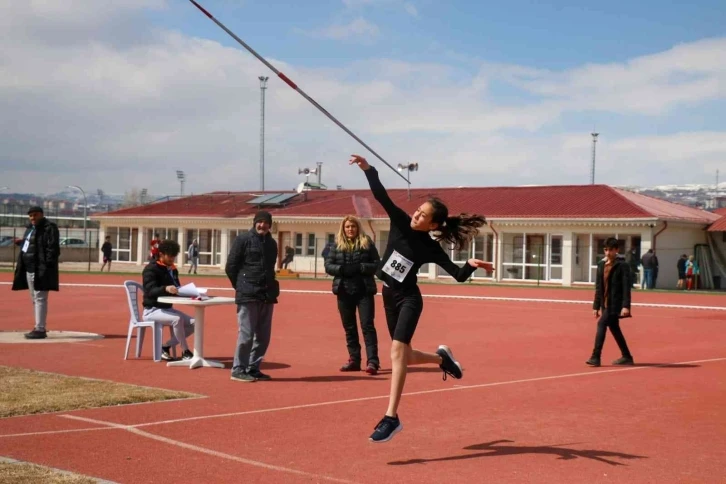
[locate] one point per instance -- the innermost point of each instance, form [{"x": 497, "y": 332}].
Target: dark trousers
[
  {"x": 611, "y": 321},
  {"x": 347, "y": 305}
]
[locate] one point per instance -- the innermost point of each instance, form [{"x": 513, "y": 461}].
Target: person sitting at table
[{"x": 161, "y": 279}]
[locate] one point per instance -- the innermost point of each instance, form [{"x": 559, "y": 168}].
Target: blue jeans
[{"x": 647, "y": 279}]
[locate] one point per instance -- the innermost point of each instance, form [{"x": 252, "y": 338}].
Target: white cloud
[
  {"x": 127, "y": 108},
  {"x": 359, "y": 30},
  {"x": 410, "y": 9},
  {"x": 649, "y": 85}
]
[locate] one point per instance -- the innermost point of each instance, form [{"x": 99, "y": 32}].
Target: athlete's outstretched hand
[
  {"x": 481, "y": 264},
  {"x": 360, "y": 161}
]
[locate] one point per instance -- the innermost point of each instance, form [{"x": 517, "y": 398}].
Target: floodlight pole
[
  {"x": 592, "y": 166},
  {"x": 182, "y": 178},
  {"x": 85, "y": 221},
  {"x": 263, "y": 87}
]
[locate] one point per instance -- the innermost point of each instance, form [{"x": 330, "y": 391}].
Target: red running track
[{"x": 528, "y": 409}]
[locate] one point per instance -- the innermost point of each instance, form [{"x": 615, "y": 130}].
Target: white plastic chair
[{"x": 132, "y": 293}]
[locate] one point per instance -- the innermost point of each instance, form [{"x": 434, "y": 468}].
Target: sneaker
[
  {"x": 35, "y": 334},
  {"x": 242, "y": 376},
  {"x": 166, "y": 354},
  {"x": 372, "y": 368},
  {"x": 624, "y": 361},
  {"x": 593, "y": 361},
  {"x": 352, "y": 365},
  {"x": 258, "y": 375},
  {"x": 386, "y": 429},
  {"x": 187, "y": 355},
  {"x": 448, "y": 364}
]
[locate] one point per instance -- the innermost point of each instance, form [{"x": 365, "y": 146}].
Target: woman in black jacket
[{"x": 353, "y": 261}]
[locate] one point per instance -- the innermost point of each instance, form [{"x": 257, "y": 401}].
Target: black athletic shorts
[{"x": 402, "y": 312}]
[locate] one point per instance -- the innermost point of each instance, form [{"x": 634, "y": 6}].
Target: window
[
  {"x": 310, "y": 249},
  {"x": 298, "y": 244},
  {"x": 330, "y": 238},
  {"x": 382, "y": 241},
  {"x": 120, "y": 243},
  {"x": 484, "y": 250},
  {"x": 210, "y": 245}
]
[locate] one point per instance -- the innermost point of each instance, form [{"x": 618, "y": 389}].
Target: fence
[{"x": 73, "y": 246}]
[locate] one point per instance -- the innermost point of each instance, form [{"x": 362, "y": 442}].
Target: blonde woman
[{"x": 353, "y": 261}]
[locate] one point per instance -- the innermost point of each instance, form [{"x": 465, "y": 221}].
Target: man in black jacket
[
  {"x": 161, "y": 278},
  {"x": 613, "y": 285},
  {"x": 37, "y": 267},
  {"x": 251, "y": 270}
]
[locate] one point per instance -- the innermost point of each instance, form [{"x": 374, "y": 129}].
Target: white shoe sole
[{"x": 395, "y": 431}]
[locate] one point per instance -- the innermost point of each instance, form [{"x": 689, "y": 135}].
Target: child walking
[
  {"x": 410, "y": 245},
  {"x": 612, "y": 296}
]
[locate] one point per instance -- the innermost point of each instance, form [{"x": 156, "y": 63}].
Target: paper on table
[{"x": 191, "y": 290}]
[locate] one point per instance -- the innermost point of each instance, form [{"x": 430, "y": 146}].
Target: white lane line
[
  {"x": 204, "y": 450},
  {"x": 448, "y": 296},
  {"x": 54, "y": 432},
  {"x": 363, "y": 399},
  {"x": 422, "y": 392}
]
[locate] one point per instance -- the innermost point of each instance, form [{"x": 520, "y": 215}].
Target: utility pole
[
  {"x": 592, "y": 166},
  {"x": 263, "y": 87}
]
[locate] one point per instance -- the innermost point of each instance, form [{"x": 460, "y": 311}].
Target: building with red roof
[{"x": 551, "y": 234}]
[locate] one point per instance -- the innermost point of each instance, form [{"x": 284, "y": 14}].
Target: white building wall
[
  {"x": 578, "y": 242},
  {"x": 669, "y": 245}
]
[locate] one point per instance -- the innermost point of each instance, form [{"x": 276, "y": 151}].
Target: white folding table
[{"x": 199, "y": 307}]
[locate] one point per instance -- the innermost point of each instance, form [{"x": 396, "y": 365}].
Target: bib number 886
[{"x": 397, "y": 266}]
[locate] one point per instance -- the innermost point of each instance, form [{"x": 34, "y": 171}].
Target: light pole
[
  {"x": 85, "y": 221},
  {"x": 263, "y": 87},
  {"x": 85, "y": 213},
  {"x": 182, "y": 178},
  {"x": 592, "y": 166},
  {"x": 409, "y": 168}
]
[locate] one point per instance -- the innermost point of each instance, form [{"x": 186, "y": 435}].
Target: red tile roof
[
  {"x": 536, "y": 202},
  {"x": 719, "y": 225}
]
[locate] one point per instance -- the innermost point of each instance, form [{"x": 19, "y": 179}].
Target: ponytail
[{"x": 457, "y": 231}]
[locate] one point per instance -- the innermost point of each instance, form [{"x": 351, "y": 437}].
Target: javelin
[{"x": 289, "y": 82}]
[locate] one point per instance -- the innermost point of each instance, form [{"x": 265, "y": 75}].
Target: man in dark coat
[
  {"x": 251, "y": 270},
  {"x": 37, "y": 267},
  {"x": 613, "y": 286}
]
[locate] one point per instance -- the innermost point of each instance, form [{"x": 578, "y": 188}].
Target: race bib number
[{"x": 397, "y": 266}]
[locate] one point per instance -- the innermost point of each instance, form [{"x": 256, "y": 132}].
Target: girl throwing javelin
[{"x": 410, "y": 245}]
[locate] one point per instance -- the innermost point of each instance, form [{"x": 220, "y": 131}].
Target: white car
[{"x": 70, "y": 242}]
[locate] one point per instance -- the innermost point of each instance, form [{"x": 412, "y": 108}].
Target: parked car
[
  {"x": 71, "y": 243},
  {"x": 9, "y": 240}
]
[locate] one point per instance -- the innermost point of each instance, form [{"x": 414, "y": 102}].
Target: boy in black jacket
[
  {"x": 612, "y": 296},
  {"x": 161, "y": 278}
]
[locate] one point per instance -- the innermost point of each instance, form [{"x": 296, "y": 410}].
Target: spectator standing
[
  {"x": 251, "y": 270},
  {"x": 37, "y": 267},
  {"x": 107, "y": 251}
]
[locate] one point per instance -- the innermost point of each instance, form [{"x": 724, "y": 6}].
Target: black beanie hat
[{"x": 263, "y": 216}]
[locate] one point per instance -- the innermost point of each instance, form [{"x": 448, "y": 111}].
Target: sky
[{"x": 119, "y": 95}]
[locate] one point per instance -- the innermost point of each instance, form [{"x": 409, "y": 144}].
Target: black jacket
[
  {"x": 365, "y": 262},
  {"x": 619, "y": 286},
  {"x": 251, "y": 268},
  {"x": 46, "y": 252},
  {"x": 156, "y": 278}
]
